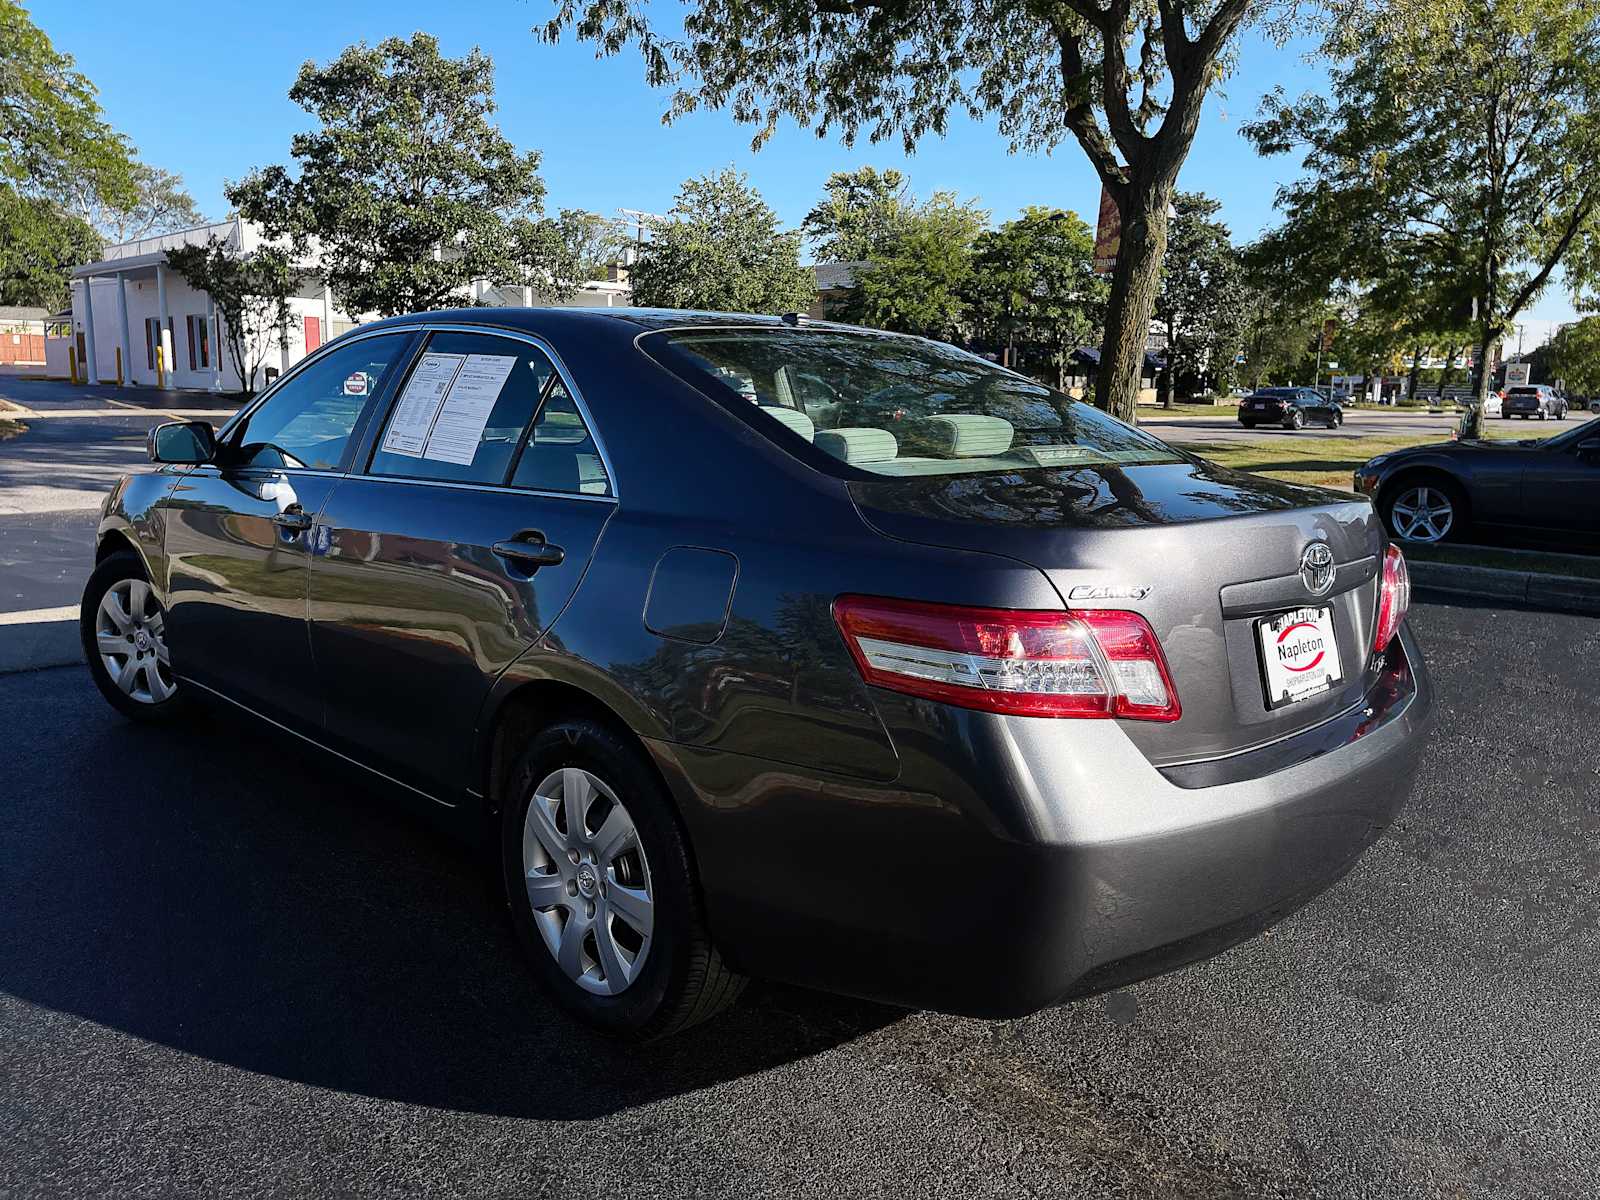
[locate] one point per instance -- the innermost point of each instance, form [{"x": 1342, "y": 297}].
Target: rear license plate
[{"x": 1299, "y": 655}]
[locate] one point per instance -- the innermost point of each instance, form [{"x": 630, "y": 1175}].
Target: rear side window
[
  {"x": 560, "y": 454},
  {"x": 461, "y": 414},
  {"x": 896, "y": 405}
]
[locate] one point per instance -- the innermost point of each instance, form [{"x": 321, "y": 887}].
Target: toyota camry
[{"x": 764, "y": 647}]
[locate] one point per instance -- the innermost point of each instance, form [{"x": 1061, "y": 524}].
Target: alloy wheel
[
  {"x": 130, "y": 637},
  {"x": 1423, "y": 514},
  {"x": 587, "y": 880}
]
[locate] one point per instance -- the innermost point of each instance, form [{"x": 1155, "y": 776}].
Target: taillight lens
[
  {"x": 1084, "y": 663},
  {"x": 1394, "y": 598}
]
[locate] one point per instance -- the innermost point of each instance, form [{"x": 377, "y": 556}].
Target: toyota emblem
[{"x": 1316, "y": 568}]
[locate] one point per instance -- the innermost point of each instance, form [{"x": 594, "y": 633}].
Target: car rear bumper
[{"x": 1046, "y": 866}]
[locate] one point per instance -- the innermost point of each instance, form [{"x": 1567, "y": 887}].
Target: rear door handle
[
  {"x": 294, "y": 517},
  {"x": 535, "y": 554}
]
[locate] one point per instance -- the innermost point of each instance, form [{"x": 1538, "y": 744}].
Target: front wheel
[
  {"x": 124, "y": 632},
  {"x": 601, "y": 886},
  {"x": 1432, "y": 512}
]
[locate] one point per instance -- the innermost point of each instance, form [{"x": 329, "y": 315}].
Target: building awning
[{"x": 120, "y": 266}]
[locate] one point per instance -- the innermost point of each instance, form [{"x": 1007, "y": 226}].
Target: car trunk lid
[{"x": 1203, "y": 553}]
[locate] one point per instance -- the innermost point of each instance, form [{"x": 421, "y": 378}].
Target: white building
[{"x": 123, "y": 303}]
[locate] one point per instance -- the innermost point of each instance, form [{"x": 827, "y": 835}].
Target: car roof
[{"x": 629, "y": 321}]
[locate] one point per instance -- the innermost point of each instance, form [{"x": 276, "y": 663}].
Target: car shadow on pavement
[{"x": 229, "y": 893}]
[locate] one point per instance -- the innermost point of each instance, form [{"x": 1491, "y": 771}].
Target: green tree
[
  {"x": 860, "y": 214},
  {"x": 720, "y": 248},
  {"x": 1034, "y": 292},
  {"x": 917, "y": 282},
  {"x": 252, "y": 296},
  {"x": 159, "y": 203},
  {"x": 407, "y": 187},
  {"x": 1126, "y": 78},
  {"x": 558, "y": 255},
  {"x": 1573, "y": 356},
  {"x": 1201, "y": 301},
  {"x": 40, "y": 243},
  {"x": 1460, "y": 134},
  {"x": 54, "y": 139}
]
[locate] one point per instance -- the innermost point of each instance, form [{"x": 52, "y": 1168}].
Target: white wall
[{"x": 183, "y": 301}]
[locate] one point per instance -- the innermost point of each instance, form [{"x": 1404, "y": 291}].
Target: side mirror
[{"x": 185, "y": 443}]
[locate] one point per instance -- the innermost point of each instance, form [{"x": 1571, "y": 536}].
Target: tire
[
  {"x": 1444, "y": 504},
  {"x": 148, "y": 690},
  {"x": 676, "y": 977},
  {"x": 1248, "y": 424},
  {"x": 1295, "y": 420},
  {"x": 1561, "y": 413}
]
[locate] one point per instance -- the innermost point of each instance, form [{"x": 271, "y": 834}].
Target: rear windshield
[
  {"x": 1524, "y": 391},
  {"x": 899, "y": 406}
]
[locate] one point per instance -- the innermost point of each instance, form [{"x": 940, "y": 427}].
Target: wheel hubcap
[
  {"x": 588, "y": 882},
  {"x": 130, "y": 637},
  {"x": 1423, "y": 514}
]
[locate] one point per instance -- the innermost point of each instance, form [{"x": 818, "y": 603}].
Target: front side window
[
  {"x": 308, "y": 419},
  {"x": 899, "y": 406},
  {"x": 461, "y": 414}
]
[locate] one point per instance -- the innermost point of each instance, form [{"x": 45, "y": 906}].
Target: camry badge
[
  {"x": 1316, "y": 568},
  {"x": 1085, "y": 591}
]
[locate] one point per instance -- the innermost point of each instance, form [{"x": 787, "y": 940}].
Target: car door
[
  {"x": 1561, "y": 484},
  {"x": 237, "y": 531},
  {"x": 450, "y": 551}
]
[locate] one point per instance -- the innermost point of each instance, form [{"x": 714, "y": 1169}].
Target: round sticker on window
[{"x": 356, "y": 385}]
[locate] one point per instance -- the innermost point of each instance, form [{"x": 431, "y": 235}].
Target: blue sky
[{"x": 202, "y": 90}]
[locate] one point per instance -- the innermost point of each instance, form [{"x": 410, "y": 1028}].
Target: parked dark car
[
  {"x": 1290, "y": 407},
  {"x": 1547, "y": 489},
  {"x": 1534, "y": 400},
  {"x": 755, "y": 647}
]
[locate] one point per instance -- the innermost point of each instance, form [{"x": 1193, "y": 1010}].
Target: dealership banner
[{"x": 1107, "y": 235}]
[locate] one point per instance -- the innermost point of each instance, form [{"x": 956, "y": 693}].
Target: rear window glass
[
  {"x": 899, "y": 406},
  {"x": 1524, "y": 391}
]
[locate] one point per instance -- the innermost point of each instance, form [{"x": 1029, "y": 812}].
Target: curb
[{"x": 1564, "y": 593}]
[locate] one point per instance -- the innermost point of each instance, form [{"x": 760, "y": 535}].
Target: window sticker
[
  {"x": 356, "y": 385},
  {"x": 467, "y": 404},
  {"x": 419, "y": 404}
]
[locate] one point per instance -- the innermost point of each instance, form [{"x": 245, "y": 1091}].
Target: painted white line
[
  {"x": 177, "y": 414},
  {"x": 39, "y": 616}
]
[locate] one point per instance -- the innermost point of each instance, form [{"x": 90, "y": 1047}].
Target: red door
[{"x": 313, "y": 333}]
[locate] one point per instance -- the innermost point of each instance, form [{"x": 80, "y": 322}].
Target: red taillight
[
  {"x": 1084, "y": 663},
  {"x": 1394, "y": 598}
]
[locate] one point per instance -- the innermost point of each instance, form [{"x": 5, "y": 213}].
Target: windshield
[{"x": 898, "y": 406}]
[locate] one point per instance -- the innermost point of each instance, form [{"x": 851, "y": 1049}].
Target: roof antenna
[{"x": 795, "y": 318}]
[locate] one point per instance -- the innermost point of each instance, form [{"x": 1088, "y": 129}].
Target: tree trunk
[
  {"x": 1134, "y": 284},
  {"x": 1414, "y": 381},
  {"x": 1472, "y": 423}
]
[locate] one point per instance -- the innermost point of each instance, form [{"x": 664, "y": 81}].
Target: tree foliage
[
  {"x": 54, "y": 139},
  {"x": 917, "y": 282},
  {"x": 1033, "y": 290},
  {"x": 158, "y": 203},
  {"x": 1125, "y": 78},
  {"x": 558, "y": 255},
  {"x": 1201, "y": 302},
  {"x": 1574, "y": 356},
  {"x": 720, "y": 248},
  {"x": 407, "y": 187},
  {"x": 1453, "y": 161},
  {"x": 860, "y": 214},
  {"x": 251, "y": 293},
  {"x": 40, "y": 242}
]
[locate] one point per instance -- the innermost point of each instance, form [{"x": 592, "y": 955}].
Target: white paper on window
[
  {"x": 467, "y": 406},
  {"x": 419, "y": 405}
]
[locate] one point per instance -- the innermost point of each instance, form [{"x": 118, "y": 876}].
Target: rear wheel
[
  {"x": 1426, "y": 510},
  {"x": 601, "y": 886},
  {"x": 1295, "y": 420},
  {"x": 123, "y": 629},
  {"x": 1248, "y": 424}
]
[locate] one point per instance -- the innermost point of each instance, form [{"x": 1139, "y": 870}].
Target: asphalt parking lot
[
  {"x": 1358, "y": 422},
  {"x": 227, "y": 967}
]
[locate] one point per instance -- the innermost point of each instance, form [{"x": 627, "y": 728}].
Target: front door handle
[
  {"x": 533, "y": 554},
  {"x": 293, "y": 518}
]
